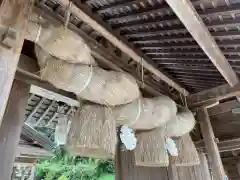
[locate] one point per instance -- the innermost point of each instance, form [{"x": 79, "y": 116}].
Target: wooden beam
[
  {"x": 223, "y": 146},
  {"x": 54, "y": 96},
  {"x": 10, "y": 129},
  {"x": 32, "y": 151},
  {"x": 84, "y": 13},
  {"x": 196, "y": 27},
  {"x": 210, "y": 144},
  {"x": 224, "y": 107},
  {"x": 43, "y": 141},
  {"x": 213, "y": 95},
  {"x": 13, "y": 21}
]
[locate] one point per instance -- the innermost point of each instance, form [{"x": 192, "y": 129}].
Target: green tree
[{"x": 66, "y": 167}]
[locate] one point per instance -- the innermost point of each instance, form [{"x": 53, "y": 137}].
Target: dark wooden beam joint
[{"x": 9, "y": 38}]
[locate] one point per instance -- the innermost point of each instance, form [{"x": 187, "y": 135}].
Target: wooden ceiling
[{"x": 152, "y": 27}]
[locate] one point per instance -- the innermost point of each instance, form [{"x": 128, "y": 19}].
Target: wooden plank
[
  {"x": 13, "y": 14},
  {"x": 43, "y": 141},
  {"x": 214, "y": 94},
  {"x": 210, "y": 144},
  {"x": 196, "y": 27},
  {"x": 34, "y": 152},
  {"x": 10, "y": 129},
  {"x": 84, "y": 13},
  {"x": 54, "y": 96},
  {"x": 223, "y": 146},
  {"x": 224, "y": 107}
]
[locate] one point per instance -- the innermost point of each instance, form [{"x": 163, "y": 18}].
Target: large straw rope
[
  {"x": 145, "y": 113},
  {"x": 181, "y": 124},
  {"x": 91, "y": 83},
  {"x": 58, "y": 41}
]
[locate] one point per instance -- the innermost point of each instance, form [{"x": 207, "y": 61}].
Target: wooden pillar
[
  {"x": 118, "y": 163},
  {"x": 238, "y": 166},
  {"x": 13, "y": 21},
  {"x": 211, "y": 146},
  {"x": 11, "y": 127}
]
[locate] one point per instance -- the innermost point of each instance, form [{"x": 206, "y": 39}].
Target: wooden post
[
  {"x": 238, "y": 167},
  {"x": 211, "y": 146},
  {"x": 118, "y": 168},
  {"x": 13, "y": 21},
  {"x": 11, "y": 127}
]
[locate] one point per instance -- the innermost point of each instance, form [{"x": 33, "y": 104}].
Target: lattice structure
[{"x": 43, "y": 111}]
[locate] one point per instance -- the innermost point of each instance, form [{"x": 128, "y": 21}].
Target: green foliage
[
  {"x": 66, "y": 167},
  {"x": 107, "y": 177}
]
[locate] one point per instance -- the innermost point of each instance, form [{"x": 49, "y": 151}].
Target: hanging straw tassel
[
  {"x": 151, "y": 149},
  {"x": 197, "y": 172},
  {"x": 93, "y": 132},
  {"x": 202, "y": 170},
  {"x": 188, "y": 155}
]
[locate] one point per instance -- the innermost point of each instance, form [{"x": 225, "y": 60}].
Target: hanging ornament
[
  {"x": 171, "y": 147},
  {"x": 128, "y": 138}
]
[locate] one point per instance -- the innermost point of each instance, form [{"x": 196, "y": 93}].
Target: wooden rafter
[
  {"x": 223, "y": 146},
  {"x": 84, "y": 13},
  {"x": 213, "y": 95},
  {"x": 225, "y": 107},
  {"x": 196, "y": 27}
]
